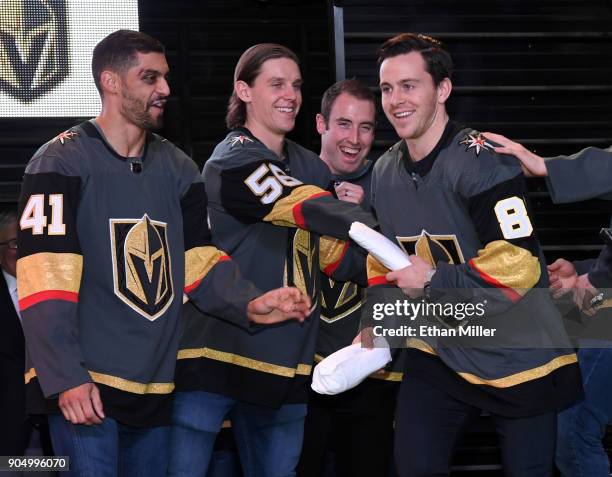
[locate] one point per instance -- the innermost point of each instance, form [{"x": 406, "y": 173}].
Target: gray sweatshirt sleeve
[{"x": 581, "y": 176}]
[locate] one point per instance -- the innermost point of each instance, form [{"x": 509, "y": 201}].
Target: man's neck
[
  {"x": 336, "y": 172},
  {"x": 273, "y": 141},
  {"x": 330, "y": 166},
  {"x": 125, "y": 138},
  {"x": 420, "y": 147}
]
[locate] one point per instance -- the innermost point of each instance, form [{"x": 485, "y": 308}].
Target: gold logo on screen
[{"x": 33, "y": 47}]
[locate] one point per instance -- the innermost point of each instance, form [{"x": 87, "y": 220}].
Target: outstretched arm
[
  {"x": 532, "y": 164},
  {"x": 279, "y": 305},
  {"x": 260, "y": 191},
  {"x": 213, "y": 281},
  {"x": 580, "y": 176}
]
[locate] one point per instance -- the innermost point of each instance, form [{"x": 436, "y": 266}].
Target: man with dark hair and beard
[{"x": 113, "y": 233}]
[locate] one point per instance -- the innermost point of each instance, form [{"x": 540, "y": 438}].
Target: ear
[
  {"x": 320, "y": 124},
  {"x": 243, "y": 91},
  {"x": 444, "y": 90},
  {"x": 109, "y": 82}
]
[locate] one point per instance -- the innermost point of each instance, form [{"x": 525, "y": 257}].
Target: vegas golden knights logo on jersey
[
  {"x": 302, "y": 266},
  {"x": 33, "y": 47},
  {"x": 142, "y": 268},
  {"x": 339, "y": 299},
  {"x": 433, "y": 248}
]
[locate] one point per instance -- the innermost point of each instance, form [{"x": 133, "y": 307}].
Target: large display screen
[{"x": 45, "y": 54}]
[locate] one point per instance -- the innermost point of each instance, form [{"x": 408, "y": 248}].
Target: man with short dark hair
[
  {"x": 344, "y": 424},
  {"x": 268, "y": 208},
  {"x": 112, "y": 234},
  {"x": 461, "y": 213}
]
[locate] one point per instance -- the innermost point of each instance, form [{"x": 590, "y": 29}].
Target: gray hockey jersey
[
  {"x": 342, "y": 301},
  {"x": 463, "y": 208},
  {"x": 276, "y": 220},
  {"x": 106, "y": 251}
]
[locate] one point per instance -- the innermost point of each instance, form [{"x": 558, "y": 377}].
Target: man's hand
[
  {"x": 584, "y": 292},
  {"x": 82, "y": 404},
  {"x": 279, "y": 305},
  {"x": 365, "y": 337},
  {"x": 412, "y": 278},
  {"x": 562, "y": 276},
  {"x": 350, "y": 192},
  {"x": 532, "y": 164}
]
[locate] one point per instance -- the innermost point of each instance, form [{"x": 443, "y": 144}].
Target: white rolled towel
[
  {"x": 349, "y": 366},
  {"x": 379, "y": 246}
]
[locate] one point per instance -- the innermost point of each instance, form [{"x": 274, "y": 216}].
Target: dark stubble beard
[{"x": 138, "y": 113}]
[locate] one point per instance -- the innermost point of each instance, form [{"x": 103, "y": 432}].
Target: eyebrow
[
  {"x": 150, "y": 71},
  {"x": 408, "y": 80},
  {"x": 402, "y": 81},
  {"x": 341, "y": 119},
  {"x": 280, "y": 78}
]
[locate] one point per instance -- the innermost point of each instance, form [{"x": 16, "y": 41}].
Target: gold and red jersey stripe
[
  {"x": 512, "y": 269},
  {"x": 287, "y": 212},
  {"x": 48, "y": 276},
  {"x": 199, "y": 261},
  {"x": 331, "y": 253},
  {"x": 376, "y": 272}
]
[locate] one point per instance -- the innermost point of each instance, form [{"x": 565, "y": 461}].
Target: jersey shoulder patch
[
  {"x": 68, "y": 135},
  {"x": 239, "y": 149},
  {"x": 476, "y": 142},
  {"x": 238, "y": 140}
]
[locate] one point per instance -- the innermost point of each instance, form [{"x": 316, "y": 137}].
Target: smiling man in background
[{"x": 345, "y": 423}]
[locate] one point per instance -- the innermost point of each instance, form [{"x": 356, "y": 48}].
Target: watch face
[{"x": 597, "y": 300}]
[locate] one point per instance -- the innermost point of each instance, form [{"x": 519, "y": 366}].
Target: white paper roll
[
  {"x": 379, "y": 246},
  {"x": 349, "y": 366}
]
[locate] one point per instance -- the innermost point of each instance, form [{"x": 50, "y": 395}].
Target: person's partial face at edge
[
  {"x": 144, "y": 91},
  {"x": 410, "y": 99},
  {"x": 274, "y": 98},
  {"x": 8, "y": 254},
  {"x": 347, "y": 138}
]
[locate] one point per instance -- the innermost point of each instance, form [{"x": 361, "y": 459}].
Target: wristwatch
[
  {"x": 427, "y": 285},
  {"x": 597, "y": 300}
]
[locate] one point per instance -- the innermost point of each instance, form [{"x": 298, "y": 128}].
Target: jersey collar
[
  {"x": 91, "y": 130},
  {"x": 423, "y": 166},
  {"x": 246, "y": 132}
]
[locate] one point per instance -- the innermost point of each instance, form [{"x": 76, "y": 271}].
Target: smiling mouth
[
  {"x": 286, "y": 109},
  {"x": 158, "y": 104},
  {"x": 349, "y": 151},
  {"x": 403, "y": 114}
]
